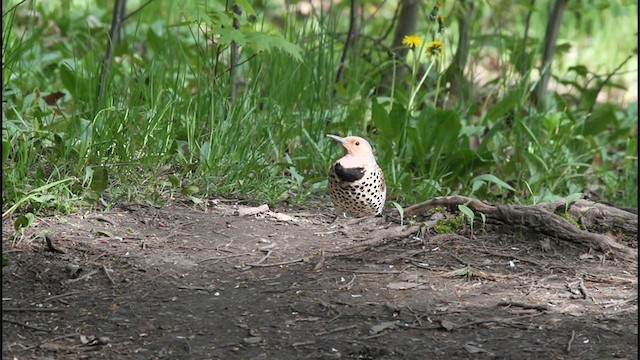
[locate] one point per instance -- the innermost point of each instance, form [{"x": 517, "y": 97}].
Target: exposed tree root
[{"x": 542, "y": 219}]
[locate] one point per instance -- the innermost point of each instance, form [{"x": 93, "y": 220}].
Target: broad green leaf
[
  {"x": 581, "y": 70},
  {"x": 229, "y": 35},
  {"x": 190, "y": 190},
  {"x": 68, "y": 78},
  {"x": 467, "y": 212},
  {"x": 6, "y": 146},
  {"x": 195, "y": 200},
  {"x": 400, "y": 212},
  {"x": 24, "y": 221},
  {"x": 175, "y": 182},
  {"x": 244, "y": 4},
  {"x": 492, "y": 178},
  {"x": 573, "y": 197},
  {"x": 260, "y": 41},
  {"x": 503, "y": 106},
  {"x": 100, "y": 179}
]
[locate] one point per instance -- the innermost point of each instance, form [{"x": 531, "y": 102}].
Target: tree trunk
[
  {"x": 550, "y": 38},
  {"x": 116, "y": 23},
  {"x": 459, "y": 85},
  {"x": 407, "y": 20}
]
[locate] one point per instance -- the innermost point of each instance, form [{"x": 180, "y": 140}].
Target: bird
[{"x": 356, "y": 182}]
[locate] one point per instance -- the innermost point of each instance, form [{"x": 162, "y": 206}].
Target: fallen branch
[
  {"x": 224, "y": 257},
  {"x": 83, "y": 277},
  {"x": 25, "y": 325},
  {"x": 494, "y": 320},
  {"x": 536, "y": 218},
  {"x": 523, "y": 305},
  {"x": 4, "y": 309},
  {"x": 278, "y": 263},
  {"x": 61, "y": 296},
  {"x": 338, "y": 329},
  {"x": 573, "y": 337}
]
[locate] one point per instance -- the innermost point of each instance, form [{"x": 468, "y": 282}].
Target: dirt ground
[{"x": 207, "y": 282}]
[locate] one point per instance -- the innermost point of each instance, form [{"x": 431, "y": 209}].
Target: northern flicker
[{"x": 356, "y": 182}]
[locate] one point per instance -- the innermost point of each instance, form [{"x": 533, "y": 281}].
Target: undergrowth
[{"x": 169, "y": 128}]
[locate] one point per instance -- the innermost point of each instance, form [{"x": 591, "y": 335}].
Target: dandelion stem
[
  {"x": 435, "y": 100},
  {"x": 415, "y": 90}
]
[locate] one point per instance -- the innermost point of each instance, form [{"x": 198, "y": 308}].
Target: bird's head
[{"x": 356, "y": 147}]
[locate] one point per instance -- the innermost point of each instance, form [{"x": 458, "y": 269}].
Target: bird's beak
[{"x": 339, "y": 139}]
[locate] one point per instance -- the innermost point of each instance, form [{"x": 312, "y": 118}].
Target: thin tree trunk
[
  {"x": 460, "y": 87},
  {"x": 235, "y": 54},
  {"x": 116, "y": 23},
  {"x": 550, "y": 38},
  {"x": 350, "y": 35},
  {"x": 408, "y": 18}
]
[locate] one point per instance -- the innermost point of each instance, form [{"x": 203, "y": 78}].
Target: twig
[
  {"x": 106, "y": 272},
  {"x": 279, "y": 263},
  {"x": 257, "y": 263},
  {"x": 101, "y": 218},
  {"x": 513, "y": 257},
  {"x": 303, "y": 343},
  {"x": 338, "y": 329},
  {"x": 320, "y": 263},
  {"x": 224, "y": 257},
  {"x": 583, "y": 289},
  {"x": 494, "y": 320},
  {"x": 61, "y": 296},
  {"x": 524, "y": 306},
  {"x": 606, "y": 80},
  {"x": 237, "y": 65},
  {"x": 91, "y": 273},
  {"x": 4, "y": 309},
  {"x": 193, "y": 288},
  {"x": 621, "y": 302},
  {"x": 25, "y": 325},
  {"x": 573, "y": 337},
  {"x": 52, "y": 247},
  {"x": 347, "y": 286},
  {"x": 465, "y": 263},
  {"x": 136, "y": 10},
  {"x": 50, "y": 340},
  {"x": 370, "y": 271}
]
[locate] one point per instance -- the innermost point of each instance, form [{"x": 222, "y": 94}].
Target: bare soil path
[{"x": 193, "y": 283}]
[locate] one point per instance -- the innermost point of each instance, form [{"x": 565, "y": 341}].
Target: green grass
[{"x": 167, "y": 129}]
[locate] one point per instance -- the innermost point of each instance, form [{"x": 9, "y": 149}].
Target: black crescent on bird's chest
[{"x": 348, "y": 174}]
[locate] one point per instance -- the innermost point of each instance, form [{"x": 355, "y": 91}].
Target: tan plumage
[{"x": 356, "y": 182}]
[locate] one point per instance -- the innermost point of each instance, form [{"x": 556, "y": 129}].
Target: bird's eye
[{"x": 357, "y": 143}]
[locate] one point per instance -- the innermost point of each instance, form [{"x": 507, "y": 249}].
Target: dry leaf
[
  {"x": 447, "y": 325},
  {"x": 52, "y": 98},
  {"x": 383, "y": 326},
  {"x": 247, "y": 211},
  {"x": 474, "y": 349},
  {"x": 402, "y": 285}
]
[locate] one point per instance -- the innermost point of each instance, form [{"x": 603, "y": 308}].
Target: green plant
[{"x": 190, "y": 120}]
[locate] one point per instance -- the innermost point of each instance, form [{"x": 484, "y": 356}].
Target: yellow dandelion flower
[
  {"x": 412, "y": 41},
  {"x": 435, "y": 48}
]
